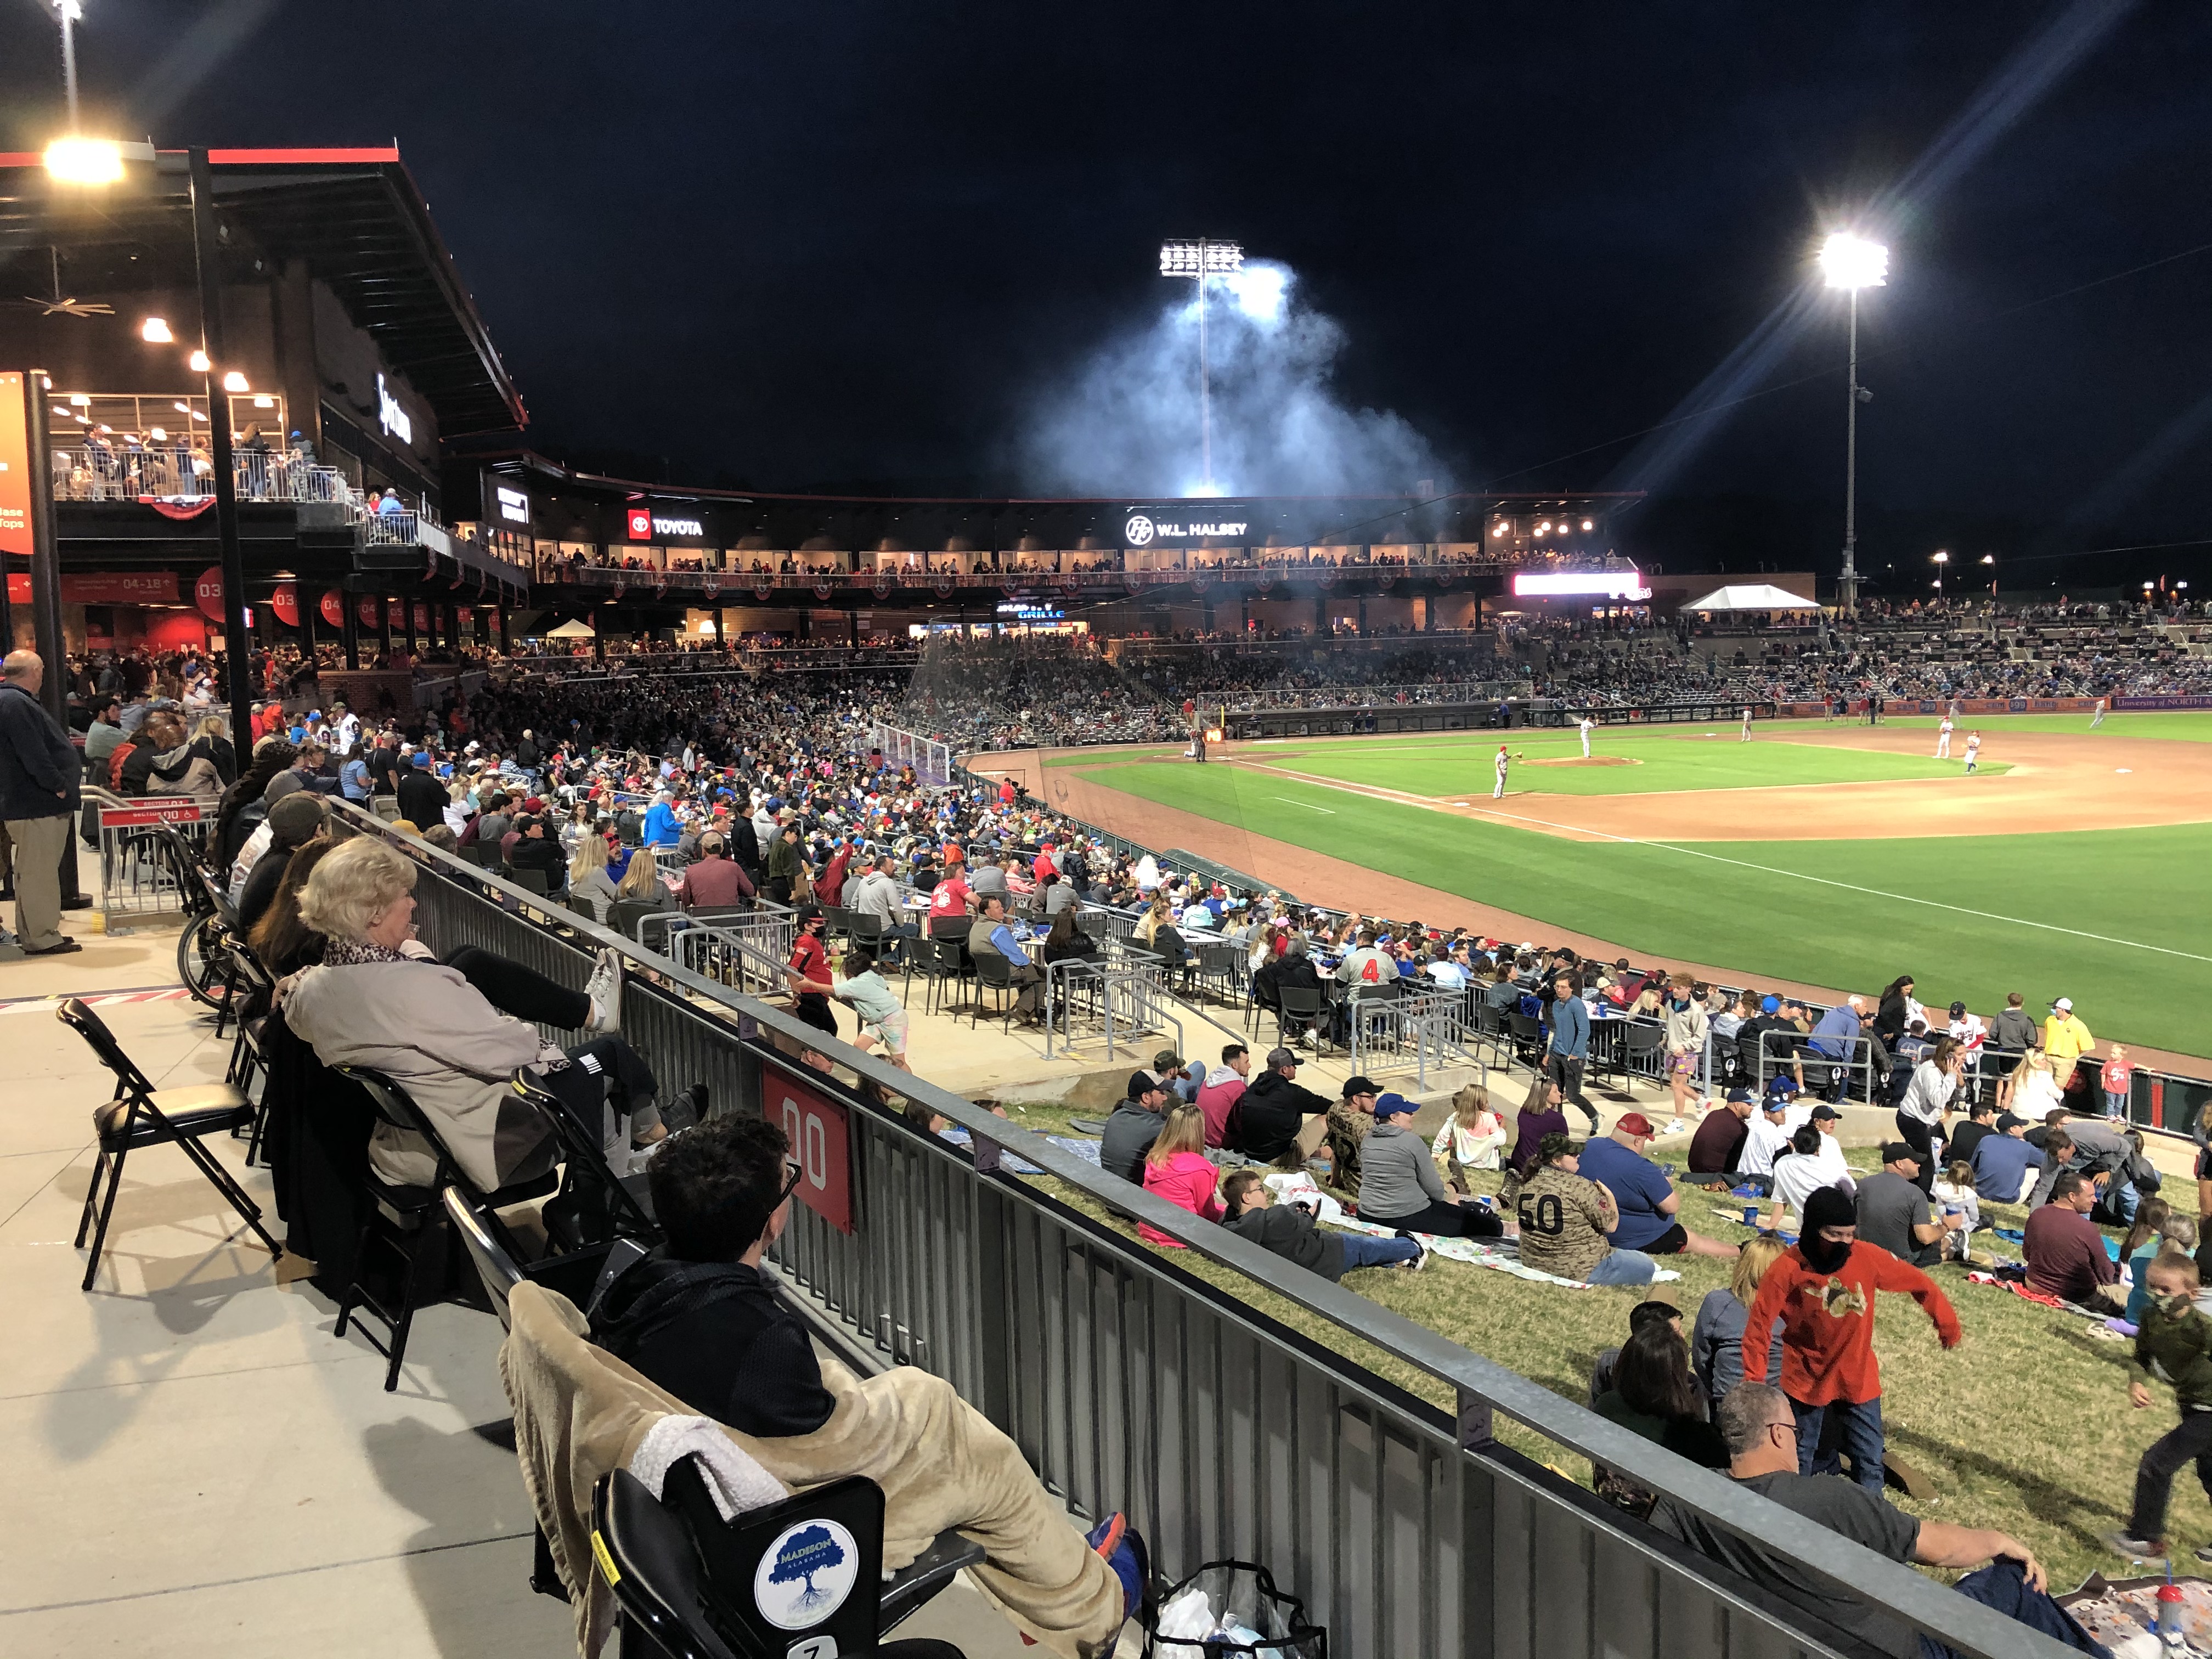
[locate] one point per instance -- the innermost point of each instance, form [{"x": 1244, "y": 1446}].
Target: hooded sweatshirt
[{"x": 1265, "y": 1122}]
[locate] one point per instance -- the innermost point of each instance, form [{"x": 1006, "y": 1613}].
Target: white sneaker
[{"x": 605, "y": 989}]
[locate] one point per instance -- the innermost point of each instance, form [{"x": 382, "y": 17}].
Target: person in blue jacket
[{"x": 1570, "y": 1050}]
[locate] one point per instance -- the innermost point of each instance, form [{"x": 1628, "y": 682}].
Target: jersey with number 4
[{"x": 1564, "y": 1219}]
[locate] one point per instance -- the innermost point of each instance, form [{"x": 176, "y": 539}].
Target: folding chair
[
  {"x": 141, "y": 1115},
  {"x": 406, "y": 1220},
  {"x": 690, "y": 1585},
  {"x": 533, "y": 881},
  {"x": 1292, "y": 1002},
  {"x": 995, "y": 973},
  {"x": 592, "y": 1196},
  {"x": 579, "y": 1277}
]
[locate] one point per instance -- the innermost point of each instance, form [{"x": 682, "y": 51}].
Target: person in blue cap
[{"x": 1399, "y": 1187}]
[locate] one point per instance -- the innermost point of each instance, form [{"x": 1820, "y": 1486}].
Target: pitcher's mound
[{"x": 1586, "y": 760}]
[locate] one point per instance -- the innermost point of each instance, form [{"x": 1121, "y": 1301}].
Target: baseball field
[{"x": 1826, "y": 856}]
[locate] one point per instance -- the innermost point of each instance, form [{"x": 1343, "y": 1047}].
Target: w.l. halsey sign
[{"x": 1142, "y": 529}]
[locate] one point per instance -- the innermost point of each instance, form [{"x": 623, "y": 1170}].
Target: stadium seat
[{"x": 593, "y": 1203}]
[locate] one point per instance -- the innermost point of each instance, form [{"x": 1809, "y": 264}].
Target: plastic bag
[{"x": 1246, "y": 1618}]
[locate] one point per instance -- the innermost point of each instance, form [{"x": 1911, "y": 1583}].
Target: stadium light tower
[
  {"x": 1201, "y": 259},
  {"x": 1852, "y": 262}
]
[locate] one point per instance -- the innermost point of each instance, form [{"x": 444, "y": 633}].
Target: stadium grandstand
[{"x": 528, "y": 935}]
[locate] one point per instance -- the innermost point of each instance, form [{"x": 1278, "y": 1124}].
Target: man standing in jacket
[
  {"x": 39, "y": 774},
  {"x": 1571, "y": 1035}
]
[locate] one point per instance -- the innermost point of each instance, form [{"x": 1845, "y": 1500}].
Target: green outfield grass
[
  {"x": 1678, "y": 758},
  {"x": 2186, "y": 725},
  {"x": 2112, "y": 918}
]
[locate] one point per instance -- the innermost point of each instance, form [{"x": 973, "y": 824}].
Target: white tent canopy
[
  {"x": 570, "y": 630},
  {"x": 1754, "y": 596}
]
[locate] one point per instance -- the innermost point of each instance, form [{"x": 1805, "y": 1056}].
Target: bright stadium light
[
  {"x": 197, "y": 363},
  {"x": 1851, "y": 263},
  {"x": 235, "y": 381},
  {"x": 79, "y": 160},
  {"x": 155, "y": 331},
  {"x": 1202, "y": 259}
]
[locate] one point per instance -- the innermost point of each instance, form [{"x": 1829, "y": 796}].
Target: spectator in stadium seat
[
  {"x": 537, "y": 847},
  {"x": 1647, "y": 1202},
  {"x": 293, "y": 822},
  {"x": 1289, "y": 1230},
  {"x": 1762, "y": 1432},
  {"x": 1399, "y": 1187},
  {"x": 1836, "y": 1036},
  {"x": 714, "y": 881},
  {"x": 1134, "y": 1125},
  {"x": 696, "y": 1319},
  {"x": 991, "y": 933},
  {"x": 1275, "y": 1121},
  {"x": 2065, "y": 1252}
]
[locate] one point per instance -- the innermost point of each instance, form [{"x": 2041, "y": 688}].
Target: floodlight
[
  {"x": 155, "y": 331},
  {"x": 235, "y": 381},
  {"x": 159, "y": 434},
  {"x": 197, "y": 363},
  {"x": 1586, "y": 524},
  {"x": 80, "y": 400},
  {"x": 1942, "y": 557},
  {"x": 1852, "y": 262},
  {"x": 1188, "y": 256},
  {"x": 84, "y": 161}
]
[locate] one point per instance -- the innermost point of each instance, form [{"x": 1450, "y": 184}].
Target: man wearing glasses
[{"x": 1759, "y": 1429}]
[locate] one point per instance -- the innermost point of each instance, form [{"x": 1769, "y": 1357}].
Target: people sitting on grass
[
  {"x": 1567, "y": 1220},
  {"x": 697, "y": 1318},
  {"x": 1895, "y": 1214},
  {"x": 1652, "y": 1311},
  {"x": 1350, "y": 1122},
  {"x": 1981, "y": 1121},
  {"x": 1766, "y": 1138},
  {"x": 2173, "y": 1344},
  {"x": 1399, "y": 1187},
  {"x": 1217, "y": 1095},
  {"x": 1655, "y": 1395},
  {"x": 1289, "y": 1230},
  {"x": 2004, "y": 1165},
  {"x": 1134, "y": 1125},
  {"x": 1762, "y": 1430},
  {"x": 1956, "y": 1196},
  {"x": 2065, "y": 1252},
  {"x": 1647, "y": 1200},
  {"x": 1824, "y": 1289},
  {"x": 1540, "y": 1115},
  {"x": 1275, "y": 1121},
  {"x": 1716, "y": 1149},
  {"x": 1717, "y": 1340},
  {"x": 1177, "y": 1168},
  {"x": 1473, "y": 1137},
  {"x": 1813, "y": 1162}
]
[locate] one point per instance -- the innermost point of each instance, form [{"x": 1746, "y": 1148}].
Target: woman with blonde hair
[
  {"x": 454, "y": 1034},
  {"x": 1717, "y": 1340},
  {"x": 642, "y": 881},
  {"x": 588, "y": 875},
  {"x": 1473, "y": 1138},
  {"x": 1178, "y": 1169}
]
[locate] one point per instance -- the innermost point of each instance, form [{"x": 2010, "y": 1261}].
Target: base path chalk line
[
  {"x": 1308, "y": 806},
  {"x": 1745, "y": 864}
]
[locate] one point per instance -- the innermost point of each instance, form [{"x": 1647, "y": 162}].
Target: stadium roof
[{"x": 355, "y": 217}]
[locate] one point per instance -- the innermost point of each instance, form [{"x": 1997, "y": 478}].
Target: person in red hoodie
[
  {"x": 1177, "y": 1168},
  {"x": 1823, "y": 1291},
  {"x": 830, "y": 886}
]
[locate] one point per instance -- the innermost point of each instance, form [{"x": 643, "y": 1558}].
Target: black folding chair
[
  {"x": 593, "y": 1203},
  {"x": 141, "y": 1115},
  {"x": 407, "y": 1221},
  {"x": 690, "y": 1585},
  {"x": 1308, "y": 1006},
  {"x": 995, "y": 974},
  {"x": 579, "y": 1276}
]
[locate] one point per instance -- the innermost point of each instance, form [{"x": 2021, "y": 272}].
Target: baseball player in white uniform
[
  {"x": 1943, "y": 739},
  {"x": 2097, "y": 718},
  {"x": 1746, "y": 725},
  {"x": 1589, "y": 725},
  {"x": 1499, "y": 794},
  {"x": 1973, "y": 751}
]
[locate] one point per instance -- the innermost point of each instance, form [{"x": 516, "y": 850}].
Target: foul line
[{"x": 1308, "y": 804}]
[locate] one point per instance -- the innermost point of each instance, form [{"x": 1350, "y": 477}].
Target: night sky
[{"x": 862, "y": 245}]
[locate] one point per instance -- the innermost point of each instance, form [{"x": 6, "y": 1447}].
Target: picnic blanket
[
  {"x": 2042, "y": 1298},
  {"x": 1502, "y": 1255},
  {"x": 2122, "y": 1613}
]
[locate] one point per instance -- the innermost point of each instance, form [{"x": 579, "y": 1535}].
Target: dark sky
[{"x": 857, "y": 243}]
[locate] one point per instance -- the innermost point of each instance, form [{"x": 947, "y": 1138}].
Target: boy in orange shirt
[{"x": 1823, "y": 1291}]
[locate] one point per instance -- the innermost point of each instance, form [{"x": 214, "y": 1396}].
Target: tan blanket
[{"x": 579, "y": 1413}]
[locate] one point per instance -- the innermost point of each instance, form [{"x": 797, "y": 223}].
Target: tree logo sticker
[{"x": 805, "y": 1575}]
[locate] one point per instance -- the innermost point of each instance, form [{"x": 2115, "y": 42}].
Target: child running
[{"x": 2174, "y": 1344}]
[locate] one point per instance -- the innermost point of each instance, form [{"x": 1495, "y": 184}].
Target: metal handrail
[{"x": 1374, "y": 1423}]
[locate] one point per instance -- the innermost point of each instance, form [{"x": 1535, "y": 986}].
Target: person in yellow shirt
[{"x": 2065, "y": 1039}]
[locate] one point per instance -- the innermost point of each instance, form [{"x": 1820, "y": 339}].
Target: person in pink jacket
[{"x": 1177, "y": 1170}]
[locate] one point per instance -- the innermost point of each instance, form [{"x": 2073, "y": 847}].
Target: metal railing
[
  {"x": 932, "y": 761},
  {"x": 1415, "y": 1032},
  {"x": 1130, "y": 1384},
  {"x": 137, "y": 876},
  {"x": 94, "y": 473}
]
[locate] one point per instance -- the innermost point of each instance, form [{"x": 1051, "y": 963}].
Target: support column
[
  {"x": 384, "y": 628},
  {"x": 407, "y": 617},
  {"x": 238, "y": 643},
  {"x": 599, "y": 634},
  {"x": 306, "y": 610},
  {"x": 452, "y": 626},
  {"x": 46, "y": 600},
  {"x": 349, "y": 629}
]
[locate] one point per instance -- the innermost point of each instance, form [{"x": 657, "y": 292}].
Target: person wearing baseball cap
[
  {"x": 1349, "y": 1122},
  {"x": 1399, "y": 1187},
  {"x": 2005, "y": 1166},
  {"x": 2065, "y": 1039},
  {"x": 1647, "y": 1200},
  {"x": 1766, "y": 1136},
  {"x": 1133, "y": 1127},
  {"x": 1275, "y": 1121},
  {"x": 1895, "y": 1213},
  {"x": 1719, "y": 1142}
]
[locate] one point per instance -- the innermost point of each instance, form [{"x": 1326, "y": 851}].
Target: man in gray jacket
[
  {"x": 39, "y": 776},
  {"x": 1399, "y": 1187}
]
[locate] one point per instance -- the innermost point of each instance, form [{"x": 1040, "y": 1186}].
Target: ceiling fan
[{"x": 67, "y": 307}]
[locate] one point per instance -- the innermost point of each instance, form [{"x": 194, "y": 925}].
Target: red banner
[
  {"x": 422, "y": 617},
  {"x": 179, "y": 507},
  {"x": 174, "y": 809},
  {"x": 207, "y": 593},
  {"x": 285, "y": 602},
  {"x": 367, "y": 610},
  {"x": 821, "y": 1134},
  {"x": 14, "y": 467},
  {"x": 19, "y": 589},
  {"x": 333, "y": 607}
]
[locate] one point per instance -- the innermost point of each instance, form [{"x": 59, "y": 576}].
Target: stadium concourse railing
[{"x": 1129, "y": 1383}]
